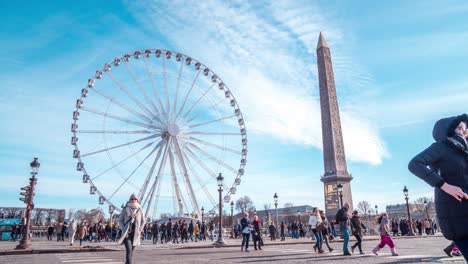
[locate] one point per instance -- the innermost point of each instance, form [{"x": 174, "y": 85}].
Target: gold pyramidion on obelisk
[{"x": 336, "y": 171}]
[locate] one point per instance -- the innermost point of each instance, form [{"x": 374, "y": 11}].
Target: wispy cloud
[{"x": 269, "y": 62}]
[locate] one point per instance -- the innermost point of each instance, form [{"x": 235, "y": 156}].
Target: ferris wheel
[{"x": 162, "y": 125}]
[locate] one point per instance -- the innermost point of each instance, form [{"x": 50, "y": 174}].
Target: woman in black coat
[{"x": 444, "y": 165}]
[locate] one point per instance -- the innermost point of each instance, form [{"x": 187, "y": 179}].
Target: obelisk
[{"x": 334, "y": 158}]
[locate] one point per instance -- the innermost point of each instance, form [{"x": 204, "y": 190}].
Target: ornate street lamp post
[
  {"x": 232, "y": 212},
  {"x": 376, "y": 210},
  {"x": 255, "y": 211},
  {"x": 111, "y": 213},
  {"x": 425, "y": 208},
  {"x": 340, "y": 192},
  {"x": 202, "y": 213},
  {"x": 25, "y": 241},
  {"x": 410, "y": 224},
  {"x": 275, "y": 197},
  {"x": 220, "y": 241},
  {"x": 298, "y": 215}
]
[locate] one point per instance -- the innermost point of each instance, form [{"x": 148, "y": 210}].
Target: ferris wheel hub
[{"x": 173, "y": 129}]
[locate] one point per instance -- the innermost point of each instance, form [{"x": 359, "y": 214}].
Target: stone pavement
[
  {"x": 42, "y": 246},
  {"x": 418, "y": 250}
]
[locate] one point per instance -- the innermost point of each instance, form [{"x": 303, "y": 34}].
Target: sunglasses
[{"x": 134, "y": 199}]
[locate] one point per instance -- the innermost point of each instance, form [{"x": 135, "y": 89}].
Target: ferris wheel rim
[{"x": 188, "y": 60}]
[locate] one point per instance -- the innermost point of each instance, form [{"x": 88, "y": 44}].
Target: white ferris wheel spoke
[
  {"x": 174, "y": 106},
  {"x": 175, "y": 183},
  {"x": 142, "y": 192},
  {"x": 123, "y": 160},
  {"x": 119, "y": 118},
  {"x": 187, "y": 95},
  {"x": 186, "y": 187},
  {"x": 133, "y": 172},
  {"x": 141, "y": 88},
  {"x": 213, "y": 158},
  {"x": 119, "y": 146},
  {"x": 124, "y": 89},
  {"x": 122, "y": 105},
  {"x": 185, "y": 173},
  {"x": 203, "y": 165},
  {"x": 157, "y": 182},
  {"x": 211, "y": 107},
  {"x": 196, "y": 102},
  {"x": 166, "y": 89},
  {"x": 208, "y": 122},
  {"x": 153, "y": 86},
  {"x": 212, "y": 133},
  {"x": 214, "y": 145},
  {"x": 114, "y": 131},
  {"x": 202, "y": 185}
]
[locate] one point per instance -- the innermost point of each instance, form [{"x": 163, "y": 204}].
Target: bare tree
[
  {"x": 363, "y": 207},
  {"x": 287, "y": 205},
  {"x": 244, "y": 204}
]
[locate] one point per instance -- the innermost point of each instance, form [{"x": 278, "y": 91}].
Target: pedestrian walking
[
  {"x": 444, "y": 165},
  {"x": 81, "y": 232},
  {"x": 317, "y": 226},
  {"x": 58, "y": 230},
  {"x": 131, "y": 221},
  {"x": 14, "y": 229},
  {"x": 385, "y": 238},
  {"x": 272, "y": 230},
  {"x": 356, "y": 227},
  {"x": 72, "y": 231},
  {"x": 155, "y": 232},
  {"x": 50, "y": 232},
  {"x": 325, "y": 232},
  {"x": 256, "y": 233},
  {"x": 342, "y": 218},
  {"x": 283, "y": 238},
  {"x": 246, "y": 226}
]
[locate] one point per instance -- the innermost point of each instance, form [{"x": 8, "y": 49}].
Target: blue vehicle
[{"x": 5, "y": 227}]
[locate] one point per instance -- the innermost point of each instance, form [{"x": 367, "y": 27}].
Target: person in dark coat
[
  {"x": 444, "y": 165},
  {"x": 356, "y": 227},
  {"x": 155, "y": 232},
  {"x": 256, "y": 233},
  {"x": 246, "y": 226}
]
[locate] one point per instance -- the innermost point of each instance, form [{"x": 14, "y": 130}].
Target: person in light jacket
[
  {"x": 72, "y": 231},
  {"x": 131, "y": 221},
  {"x": 314, "y": 221}
]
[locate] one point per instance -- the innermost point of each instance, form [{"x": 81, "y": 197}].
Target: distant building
[
  {"x": 417, "y": 211},
  {"x": 288, "y": 214}
]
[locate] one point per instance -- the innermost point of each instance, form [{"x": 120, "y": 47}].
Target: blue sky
[{"x": 399, "y": 66}]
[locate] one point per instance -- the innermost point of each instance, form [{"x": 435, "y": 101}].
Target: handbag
[
  {"x": 246, "y": 230},
  {"x": 321, "y": 227}
]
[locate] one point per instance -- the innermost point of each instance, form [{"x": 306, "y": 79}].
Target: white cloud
[{"x": 269, "y": 63}]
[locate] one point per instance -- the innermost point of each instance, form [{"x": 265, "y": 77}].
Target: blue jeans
[
  {"x": 462, "y": 245},
  {"x": 318, "y": 238},
  {"x": 345, "y": 233},
  {"x": 211, "y": 235}
]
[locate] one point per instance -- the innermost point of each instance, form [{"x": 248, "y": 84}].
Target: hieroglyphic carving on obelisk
[{"x": 333, "y": 149}]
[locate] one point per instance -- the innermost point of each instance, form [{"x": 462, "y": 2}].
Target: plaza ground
[{"x": 412, "y": 250}]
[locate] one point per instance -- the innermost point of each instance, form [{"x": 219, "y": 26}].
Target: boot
[
  {"x": 448, "y": 250},
  {"x": 330, "y": 249},
  {"x": 394, "y": 252},
  {"x": 375, "y": 251},
  {"x": 315, "y": 248},
  {"x": 352, "y": 248},
  {"x": 320, "y": 250}
]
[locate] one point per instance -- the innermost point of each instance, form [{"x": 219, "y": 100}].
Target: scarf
[{"x": 132, "y": 209}]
